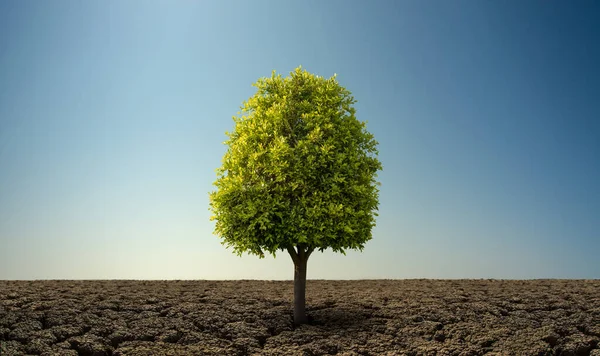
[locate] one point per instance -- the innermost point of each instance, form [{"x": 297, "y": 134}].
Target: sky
[{"x": 113, "y": 116}]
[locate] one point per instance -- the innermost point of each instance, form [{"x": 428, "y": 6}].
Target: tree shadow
[{"x": 338, "y": 317}]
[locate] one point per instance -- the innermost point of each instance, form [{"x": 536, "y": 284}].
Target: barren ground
[{"x": 375, "y": 317}]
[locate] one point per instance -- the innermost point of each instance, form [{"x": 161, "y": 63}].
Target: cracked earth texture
[{"x": 367, "y": 317}]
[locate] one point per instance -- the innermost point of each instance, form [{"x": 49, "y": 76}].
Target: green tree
[{"x": 299, "y": 174}]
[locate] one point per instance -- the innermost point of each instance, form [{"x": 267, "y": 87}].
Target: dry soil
[{"x": 367, "y": 317}]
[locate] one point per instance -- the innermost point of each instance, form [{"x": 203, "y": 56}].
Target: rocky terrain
[{"x": 371, "y": 317}]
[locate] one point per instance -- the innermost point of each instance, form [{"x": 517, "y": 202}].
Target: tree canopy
[{"x": 299, "y": 172}]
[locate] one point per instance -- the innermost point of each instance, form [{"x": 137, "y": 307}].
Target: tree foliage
[{"x": 300, "y": 170}]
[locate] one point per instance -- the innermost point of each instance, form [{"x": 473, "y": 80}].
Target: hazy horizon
[{"x": 113, "y": 116}]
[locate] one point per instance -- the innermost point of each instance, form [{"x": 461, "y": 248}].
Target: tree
[{"x": 299, "y": 174}]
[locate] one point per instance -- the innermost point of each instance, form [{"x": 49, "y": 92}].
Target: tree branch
[{"x": 293, "y": 254}]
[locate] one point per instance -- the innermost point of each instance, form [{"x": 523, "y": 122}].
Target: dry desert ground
[{"x": 366, "y": 317}]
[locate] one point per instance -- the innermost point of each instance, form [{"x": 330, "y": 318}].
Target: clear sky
[{"x": 113, "y": 115}]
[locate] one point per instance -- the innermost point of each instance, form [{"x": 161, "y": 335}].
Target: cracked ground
[{"x": 370, "y": 317}]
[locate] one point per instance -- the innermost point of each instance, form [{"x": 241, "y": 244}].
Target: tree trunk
[
  {"x": 300, "y": 258},
  {"x": 300, "y": 291}
]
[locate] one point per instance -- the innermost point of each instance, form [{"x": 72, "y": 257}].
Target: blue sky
[{"x": 113, "y": 114}]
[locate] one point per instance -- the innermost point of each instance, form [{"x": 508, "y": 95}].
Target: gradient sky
[{"x": 113, "y": 115}]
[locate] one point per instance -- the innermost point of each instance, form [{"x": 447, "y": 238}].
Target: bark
[{"x": 300, "y": 258}]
